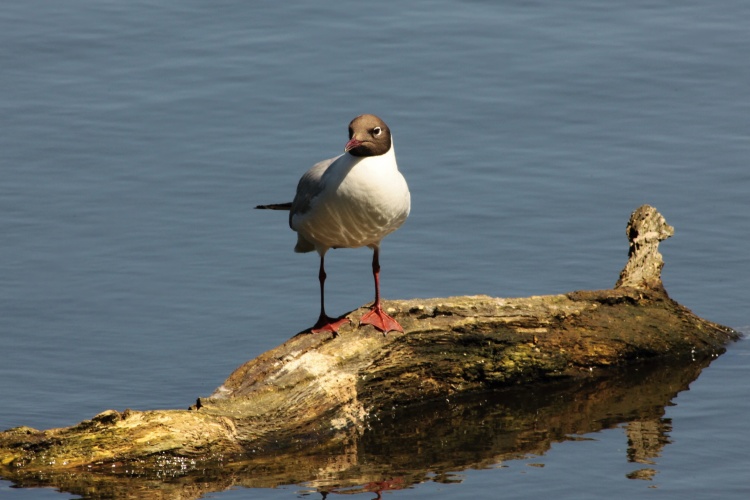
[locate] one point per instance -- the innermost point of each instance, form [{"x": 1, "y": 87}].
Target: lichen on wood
[{"x": 316, "y": 393}]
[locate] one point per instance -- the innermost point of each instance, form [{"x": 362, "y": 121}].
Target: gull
[{"x": 351, "y": 201}]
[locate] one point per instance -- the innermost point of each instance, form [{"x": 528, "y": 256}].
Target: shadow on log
[{"x": 473, "y": 381}]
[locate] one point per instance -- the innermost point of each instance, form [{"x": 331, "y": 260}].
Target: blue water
[{"x": 135, "y": 138}]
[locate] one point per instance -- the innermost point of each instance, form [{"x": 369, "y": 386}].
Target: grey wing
[{"x": 309, "y": 186}]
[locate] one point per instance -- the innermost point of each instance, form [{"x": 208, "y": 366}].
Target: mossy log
[{"x": 321, "y": 395}]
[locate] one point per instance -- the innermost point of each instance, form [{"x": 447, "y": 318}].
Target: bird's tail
[{"x": 276, "y": 206}]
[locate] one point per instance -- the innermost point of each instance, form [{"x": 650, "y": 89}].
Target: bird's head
[{"x": 368, "y": 136}]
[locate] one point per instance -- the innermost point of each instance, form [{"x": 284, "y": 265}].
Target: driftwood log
[{"x": 327, "y": 410}]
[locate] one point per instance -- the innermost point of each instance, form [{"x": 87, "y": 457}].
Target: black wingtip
[{"x": 276, "y": 206}]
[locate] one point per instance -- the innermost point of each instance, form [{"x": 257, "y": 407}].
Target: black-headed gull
[{"x": 351, "y": 201}]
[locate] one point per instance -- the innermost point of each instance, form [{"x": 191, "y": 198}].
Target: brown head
[{"x": 368, "y": 136}]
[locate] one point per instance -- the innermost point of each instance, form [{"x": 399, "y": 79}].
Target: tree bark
[{"x": 317, "y": 395}]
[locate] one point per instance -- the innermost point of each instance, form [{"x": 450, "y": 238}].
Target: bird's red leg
[
  {"x": 376, "y": 316},
  {"x": 326, "y": 323}
]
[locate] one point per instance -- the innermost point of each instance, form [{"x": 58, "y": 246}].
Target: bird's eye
[{"x": 376, "y": 131}]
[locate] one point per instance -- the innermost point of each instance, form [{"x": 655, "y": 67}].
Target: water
[{"x": 137, "y": 137}]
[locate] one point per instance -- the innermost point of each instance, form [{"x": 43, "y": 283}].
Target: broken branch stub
[{"x": 646, "y": 228}]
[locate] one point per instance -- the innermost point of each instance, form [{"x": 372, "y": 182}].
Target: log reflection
[{"x": 403, "y": 447}]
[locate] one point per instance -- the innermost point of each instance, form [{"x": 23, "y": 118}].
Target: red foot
[
  {"x": 327, "y": 324},
  {"x": 380, "y": 320}
]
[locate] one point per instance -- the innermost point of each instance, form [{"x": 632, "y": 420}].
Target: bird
[{"x": 350, "y": 201}]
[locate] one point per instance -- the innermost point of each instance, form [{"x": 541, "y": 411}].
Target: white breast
[{"x": 359, "y": 202}]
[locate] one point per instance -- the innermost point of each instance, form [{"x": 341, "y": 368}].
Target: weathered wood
[
  {"x": 404, "y": 446},
  {"x": 318, "y": 393},
  {"x": 646, "y": 228}
]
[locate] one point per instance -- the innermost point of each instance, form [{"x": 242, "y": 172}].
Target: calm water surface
[{"x": 137, "y": 137}]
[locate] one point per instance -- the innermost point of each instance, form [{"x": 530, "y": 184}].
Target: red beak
[{"x": 353, "y": 143}]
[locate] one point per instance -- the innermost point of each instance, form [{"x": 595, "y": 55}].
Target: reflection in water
[
  {"x": 646, "y": 438},
  {"x": 402, "y": 447}
]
